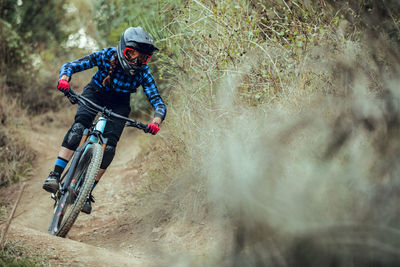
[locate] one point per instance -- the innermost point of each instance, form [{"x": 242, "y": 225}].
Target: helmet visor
[{"x": 135, "y": 57}]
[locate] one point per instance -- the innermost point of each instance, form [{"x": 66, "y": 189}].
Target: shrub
[
  {"x": 15, "y": 155},
  {"x": 15, "y": 255}
]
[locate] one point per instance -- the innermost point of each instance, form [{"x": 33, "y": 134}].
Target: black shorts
[{"x": 117, "y": 102}]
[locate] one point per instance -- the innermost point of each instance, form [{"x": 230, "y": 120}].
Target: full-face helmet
[{"x": 135, "y": 39}]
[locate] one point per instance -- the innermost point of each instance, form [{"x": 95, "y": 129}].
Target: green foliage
[
  {"x": 26, "y": 29},
  {"x": 15, "y": 255},
  {"x": 11, "y": 262},
  {"x": 116, "y": 15},
  {"x": 40, "y": 23}
]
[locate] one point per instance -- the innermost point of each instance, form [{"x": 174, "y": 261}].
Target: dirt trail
[
  {"x": 130, "y": 224},
  {"x": 67, "y": 252},
  {"x": 34, "y": 211}
]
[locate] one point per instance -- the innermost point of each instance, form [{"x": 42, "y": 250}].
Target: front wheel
[{"x": 85, "y": 175}]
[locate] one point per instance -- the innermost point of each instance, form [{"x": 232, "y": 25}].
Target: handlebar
[{"x": 75, "y": 98}]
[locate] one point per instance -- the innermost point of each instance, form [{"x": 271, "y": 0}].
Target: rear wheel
[{"x": 85, "y": 174}]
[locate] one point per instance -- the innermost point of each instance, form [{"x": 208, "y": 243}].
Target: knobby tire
[{"x": 96, "y": 152}]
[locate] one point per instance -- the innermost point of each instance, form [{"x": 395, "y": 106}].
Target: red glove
[
  {"x": 63, "y": 85},
  {"x": 153, "y": 127}
]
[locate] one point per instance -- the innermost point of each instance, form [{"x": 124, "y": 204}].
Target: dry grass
[
  {"x": 15, "y": 254},
  {"x": 295, "y": 134},
  {"x": 266, "y": 55},
  {"x": 15, "y": 156}
]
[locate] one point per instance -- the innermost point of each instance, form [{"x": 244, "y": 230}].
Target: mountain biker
[{"x": 120, "y": 71}]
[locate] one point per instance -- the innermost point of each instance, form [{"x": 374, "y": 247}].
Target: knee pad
[
  {"x": 107, "y": 156},
  {"x": 73, "y": 136}
]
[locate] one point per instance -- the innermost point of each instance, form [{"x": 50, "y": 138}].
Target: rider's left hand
[{"x": 153, "y": 127}]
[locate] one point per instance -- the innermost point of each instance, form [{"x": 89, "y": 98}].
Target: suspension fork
[
  {"x": 103, "y": 142},
  {"x": 84, "y": 137}
]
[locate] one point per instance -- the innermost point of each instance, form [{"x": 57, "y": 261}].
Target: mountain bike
[{"x": 78, "y": 180}]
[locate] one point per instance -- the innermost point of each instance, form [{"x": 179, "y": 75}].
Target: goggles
[{"x": 129, "y": 54}]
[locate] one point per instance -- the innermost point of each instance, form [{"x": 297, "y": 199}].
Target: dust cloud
[
  {"x": 312, "y": 179},
  {"x": 310, "y": 186}
]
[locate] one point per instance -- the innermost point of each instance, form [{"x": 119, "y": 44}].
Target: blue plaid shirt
[{"x": 121, "y": 82}]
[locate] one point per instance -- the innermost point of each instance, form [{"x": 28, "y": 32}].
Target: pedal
[{"x": 53, "y": 196}]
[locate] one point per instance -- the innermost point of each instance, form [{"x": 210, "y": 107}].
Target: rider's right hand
[{"x": 63, "y": 86}]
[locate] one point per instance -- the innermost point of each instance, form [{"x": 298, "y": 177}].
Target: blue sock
[{"x": 60, "y": 165}]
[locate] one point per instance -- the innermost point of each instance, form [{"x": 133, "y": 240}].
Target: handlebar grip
[{"x": 146, "y": 128}]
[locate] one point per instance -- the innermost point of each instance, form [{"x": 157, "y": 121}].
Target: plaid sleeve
[
  {"x": 151, "y": 91},
  {"x": 84, "y": 63}
]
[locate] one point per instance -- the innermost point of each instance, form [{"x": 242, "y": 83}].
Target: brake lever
[
  {"x": 73, "y": 100},
  {"x": 71, "y": 97}
]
